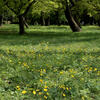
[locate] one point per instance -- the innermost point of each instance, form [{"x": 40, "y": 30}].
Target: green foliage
[
  {"x": 49, "y": 63},
  {"x": 91, "y": 7},
  {"x": 18, "y": 7}
]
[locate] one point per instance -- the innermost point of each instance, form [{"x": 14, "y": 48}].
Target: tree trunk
[
  {"x": 57, "y": 18},
  {"x": 73, "y": 25},
  {"x": 25, "y": 23},
  {"x": 47, "y": 21},
  {"x": 1, "y": 20},
  {"x": 21, "y": 25},
  {"x": 77, "y": 21},
  {"x": 98, "y": 22},
  {"x": 43, "y": 19}
]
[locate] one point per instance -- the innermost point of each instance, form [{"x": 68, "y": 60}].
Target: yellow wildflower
[
  {"x": 47, "y": 93},
  {"x": 10, "y": 60},
  {"x": 44, "y": 70},
  {"x": 67, "y": 88},
  {"x": 41, "y": 80},
  {"x": 37, "y": 90},
  {"x": 45, "y": 83},
  {"x": 64, "y": 94},
  {"x": 45, "y": 90},
  {"x": 34, "y": 92},
  {"x": 19, "y": 62},
  {"x": 70, "y": 88},
  {"x": 18, "y": 87},
  {"x": 98, "y": 73},
  {"x": 41, "y": 74},
  {"x": 24, "y": 92},
  {"x": 40, "y": 93},
  {"x": 45, "y": 97},
  {"x": 61, "y": 72},
  {"x": 83, "y": 98},
  {"x": 72, "y": 76},
  {"x": 25, "y": 64},
  {"x": 82, "y": 79},
  {"x": 45, "y": 87},
  {"x": 95, "y": 69},
  {"x": 64, "y": 87}
]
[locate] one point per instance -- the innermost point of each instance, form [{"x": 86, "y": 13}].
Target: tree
[
  {"x": 1, "y": 13},
  {"x": 73, "y": 24},
  {"x": 44, "y": 8},
  {"x": 20, "y": 8},
  {"x": 88, "y": 10},
  {"x": 66, "y": 5}
]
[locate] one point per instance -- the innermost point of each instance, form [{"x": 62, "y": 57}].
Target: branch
[
  {"x": 6, "y": 3},
  {"x": 28, "y": 7}
]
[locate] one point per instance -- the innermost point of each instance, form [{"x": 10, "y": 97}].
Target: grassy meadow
[{"x": 49, "y": 63}]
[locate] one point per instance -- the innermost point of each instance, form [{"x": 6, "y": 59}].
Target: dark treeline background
[
  {"x": 54, "y": 18},
  {"x": 74, "y": 13}
]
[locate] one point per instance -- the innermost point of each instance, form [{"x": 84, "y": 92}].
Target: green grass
[{"x": 49, "y": 63}]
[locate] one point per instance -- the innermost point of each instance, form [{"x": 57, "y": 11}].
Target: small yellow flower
[
  {"x": 61, "y": 72},
  {"x": 18, "y": 87},
  {"x": 47, "y": 93},
  {"x": 83, "y": 98},
  {"x": 34, "y": 92},
  {"x": 41, "y": 80},
  {"x": 37, "y": 90},
  {"x": 45, "y": 90},
  {"x": 27, "y": 84},
  {"x": 40, "y": 93},
  {"x": 30, "y": 89},
  {"x": 64, "y": 94},
  {"x": 45, "y": 83},
  {"x": 24, "y": 92},
  {"x": 55, "y": 70},
  {"x": 64, "y": 87},
  {"x": 72, "y": 76},
  {"x": 10, "y": 61},
  {"x": 67, "y": 88},
  {"x": 45, "y": 97},
  {"x": 98, "y": 73},
  {"x": 44, "y": 70},
  {"x": 41, "y": 74},
  {"x": 19, "y": 62},
  {"x": 25, "y": 64},
  {"x": 95, "y": 69},
  {"x": 70, "y": 88},
  {"x": 82, "y": 79},
  {"x": 45, "y": 87}
]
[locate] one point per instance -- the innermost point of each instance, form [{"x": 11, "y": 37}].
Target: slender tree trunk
[
  {"x": 25, "y": 23},
  {"x": 1, "y": 20},
  {"x": 98, "y": 22},
  {"x": 73, "y": 25},
  {"x": 47, "y": 21},
  {"x": 21, "y": 25},
  {"x": 77, "y": 21},
  {"x": 57, "y": 18},
  {"x": 43, "y": 19}
]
